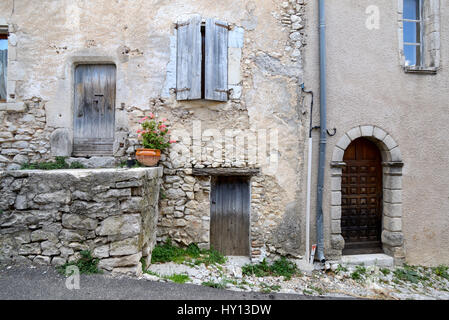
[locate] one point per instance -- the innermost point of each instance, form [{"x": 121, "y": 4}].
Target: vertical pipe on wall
[{"x": 323, "y": 133}]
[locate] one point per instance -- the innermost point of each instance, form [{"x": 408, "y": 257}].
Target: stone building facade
[
  {"x": 271, "y": 49},
  {"x": 264, "y": 53},
  {"x": 373, "y": 94}
]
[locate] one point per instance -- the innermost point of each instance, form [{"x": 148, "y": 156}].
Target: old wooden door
[
  {"x": 230, "y": 214},
  {"x": 94, "y": 110},
  {"x": 361, "y": 220}
]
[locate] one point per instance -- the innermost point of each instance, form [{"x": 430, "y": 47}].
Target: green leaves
[
  {"x": 59, "y": 163},
  {"x": 154, "y": 133},
  {"x": 168, "y": 252},
  {"x": 281, "y": 267}
]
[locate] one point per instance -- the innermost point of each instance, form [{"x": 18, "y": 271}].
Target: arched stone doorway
[{"x": 392, "y": 239}]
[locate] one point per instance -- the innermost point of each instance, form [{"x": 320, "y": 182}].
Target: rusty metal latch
[
  {"x": 180, "y": 90},
  {"x": 228, "y": 92},
  {"x": 229, "y": 27},
  {"x": 177, "y": 25}
]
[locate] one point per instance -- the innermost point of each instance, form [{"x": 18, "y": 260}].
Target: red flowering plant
[{"x": 154, "y": 133}]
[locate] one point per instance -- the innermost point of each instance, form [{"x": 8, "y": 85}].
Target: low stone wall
[{"x": 48, "y": 217}]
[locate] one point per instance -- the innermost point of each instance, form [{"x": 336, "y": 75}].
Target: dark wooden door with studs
[{"x": 361, "y": 190}]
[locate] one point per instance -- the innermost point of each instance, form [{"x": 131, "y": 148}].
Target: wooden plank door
[
  {"x": 94, "y": 110},
  {"x": 361, "y": 220},
  {"x": 230, "y": 215}
]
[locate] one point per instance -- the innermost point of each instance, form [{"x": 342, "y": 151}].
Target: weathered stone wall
[
  {"x": 49, "y": 216},
  {"x": 265, "y": 73},
  {"x": 24, "y": 135}
]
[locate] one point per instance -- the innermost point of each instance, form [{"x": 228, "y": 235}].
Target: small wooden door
[
  {"x": 361, "y": 220},
  {"x": 94, "y": 111},
  {"x": 230, "y": 214}
]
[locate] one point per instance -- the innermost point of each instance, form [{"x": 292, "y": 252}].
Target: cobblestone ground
[{"x": 372, "y": 282}]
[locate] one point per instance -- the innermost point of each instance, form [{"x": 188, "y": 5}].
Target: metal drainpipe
[{"x": 323, "y": 133}]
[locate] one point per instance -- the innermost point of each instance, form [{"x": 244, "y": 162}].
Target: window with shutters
[
  {"x": 202, "y": 59},
  {"x": 420, "y": 35},
  {"x": 3, "y": 63}
]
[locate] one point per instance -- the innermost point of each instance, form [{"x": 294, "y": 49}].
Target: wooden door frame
[
  {"x": 77, "y": 61},
  {"x": 94, "y": 57},
  {"x": 392, "y": 235}
]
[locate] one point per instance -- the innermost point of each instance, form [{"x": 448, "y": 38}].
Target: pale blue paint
[
  {"x": 235, "y": 37},
  {"x": 3, "y": 44},
  {"x": 170, "y": 80}
]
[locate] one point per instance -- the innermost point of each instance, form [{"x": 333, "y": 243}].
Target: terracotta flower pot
[{"x": 148, "y": 157}]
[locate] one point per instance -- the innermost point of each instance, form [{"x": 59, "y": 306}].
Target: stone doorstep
[
  {"x": 378, "y": 259},
  {"x": 239, "y": 261}
]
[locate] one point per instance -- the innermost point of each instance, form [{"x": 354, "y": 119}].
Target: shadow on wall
[{"x": 287, "y": 235}]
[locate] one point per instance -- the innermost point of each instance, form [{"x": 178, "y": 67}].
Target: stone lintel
[{"x": 225, "y": 171}]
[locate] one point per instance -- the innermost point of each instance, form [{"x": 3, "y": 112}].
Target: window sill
[{"x": 421, "y": 70}]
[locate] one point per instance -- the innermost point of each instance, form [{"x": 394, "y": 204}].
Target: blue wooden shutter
[
  {"x": 216, "y": 60},
  {"x": 188, "y": 61}
]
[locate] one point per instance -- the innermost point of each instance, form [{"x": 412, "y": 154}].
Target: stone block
[
  {"x": 129, "y": 184},
  {"x": 335, "y": 198},
  {"x": 338, "y": 154},
  {"x": 30, "y": 248},
  {"x": 125, "y": 247},
  {"x": 392, "y": 239},
  {"x": 336, "y": 212},
  {"x": 15, "y": 107},
  {"x": 21, "y": 202},
  {"x": 367, "y": 131},
  {"x": 344, "y": 142},
  {"x": 41, "y": 235},
  {"x": 49, "y": 248},
  {"x": 101, "y": 251},
  {"x": 392, "y": 210},
  {"x": 126, "y": 261},
  {"x": 61, "y": 142},
  {"x": 389, "y": 142},
  {"x": 354, "y": 133},
  {"x": 392, "y": 224},
  {"x": 336, "y": 184},
  {"x": 73, "y": 235},
  {"x": 396, "y": 155},
  {"x": 113, "y": 194},
  {"x": 58, "y": 261},
  {"x": 336, "y": 226},
  {"x": 134, "y": 204},
  {"x": 127, "y": 225},
  {"x": 75, "y": 221},
  {"x": 393, "y": 196},
  {"x": 337, "y": 242},
  {"x": 379, "y": 134},
  {"x": 393, "y": 182},
  {"x": 42, "y": 260},
  {"x": 62, "y": 196}
]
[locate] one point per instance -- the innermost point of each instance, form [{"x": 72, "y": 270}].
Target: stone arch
[{"x": 392, "y": 163}]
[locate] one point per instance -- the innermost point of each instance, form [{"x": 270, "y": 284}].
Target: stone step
[{"x": 378, "y": 259}]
